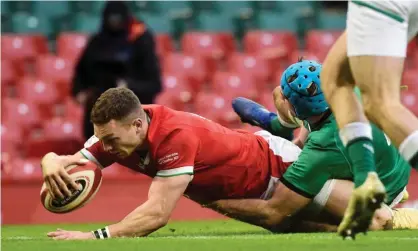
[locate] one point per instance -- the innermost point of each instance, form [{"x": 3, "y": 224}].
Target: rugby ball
[{"x": 89, "y": 176}]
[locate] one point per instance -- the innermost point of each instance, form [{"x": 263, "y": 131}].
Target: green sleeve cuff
[{"x": 278, "y": 129}]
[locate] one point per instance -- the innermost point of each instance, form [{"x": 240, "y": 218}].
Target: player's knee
[
  {"x": 381, "y": 219},
  {"x": 370, "y": 105}
]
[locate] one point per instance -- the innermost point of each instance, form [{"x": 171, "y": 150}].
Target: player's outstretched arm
[
  {"x": 54, "y": 174},
  {"x": 155, "y": 212},
  {"x": 270, "y": 214},
  {"x": 150, "y": 216}
]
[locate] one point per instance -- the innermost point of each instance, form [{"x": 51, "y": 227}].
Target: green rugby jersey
[{"x": 324, "y": 157}]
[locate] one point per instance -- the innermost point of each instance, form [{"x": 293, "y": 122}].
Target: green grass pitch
[{"x": 206, "y": 235}]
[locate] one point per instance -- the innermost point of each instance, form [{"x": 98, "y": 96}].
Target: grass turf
[{"x": 206, "y": 235}]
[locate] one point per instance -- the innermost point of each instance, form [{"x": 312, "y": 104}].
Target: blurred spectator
[{"x": 122, "y": 53}]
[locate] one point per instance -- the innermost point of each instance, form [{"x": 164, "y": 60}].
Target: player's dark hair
[{"x": 117, "y": 104}]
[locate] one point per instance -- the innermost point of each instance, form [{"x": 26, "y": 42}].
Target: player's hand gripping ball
[{"x": 88, "y": 176}]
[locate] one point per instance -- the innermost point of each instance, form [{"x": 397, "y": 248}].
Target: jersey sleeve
[
  {"x": 176, "y": 154},
  {"x": 308, "y": 174},
  {"x": 93, "y": 151}
]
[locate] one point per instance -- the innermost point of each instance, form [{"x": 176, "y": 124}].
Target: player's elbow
[
  {"x": 273, "y": 219},
  {"x": 161, "y": 217},
  {"x": 161, "y": 221}
]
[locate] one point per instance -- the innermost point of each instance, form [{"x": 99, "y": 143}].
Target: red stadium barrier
[{"x": 115, "y": 199}]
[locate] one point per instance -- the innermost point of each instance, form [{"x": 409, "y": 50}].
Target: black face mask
[
  {"x": 116, "y": 18},
  {"x": 114, "y": 24}
]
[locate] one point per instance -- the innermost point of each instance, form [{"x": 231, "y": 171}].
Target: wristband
[{"x": 102, "y": 233}]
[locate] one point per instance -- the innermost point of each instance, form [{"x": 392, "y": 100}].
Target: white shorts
[{"x": 381, "y": 28}]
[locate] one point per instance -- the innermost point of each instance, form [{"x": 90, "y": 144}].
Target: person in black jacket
[{"x": 122, "y": 53}]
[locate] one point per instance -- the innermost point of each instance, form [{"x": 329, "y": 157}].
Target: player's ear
[{"x": 138, "y": 124}]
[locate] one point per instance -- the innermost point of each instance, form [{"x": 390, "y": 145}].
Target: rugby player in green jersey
[{"x": 300, "y": 102}]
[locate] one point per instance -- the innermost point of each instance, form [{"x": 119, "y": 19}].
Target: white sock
[
  {"x": 355, "y": 130},
  {"x": 409, "y": 147}
]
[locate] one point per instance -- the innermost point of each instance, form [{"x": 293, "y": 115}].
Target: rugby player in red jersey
[{"x": 183, "y": 152}]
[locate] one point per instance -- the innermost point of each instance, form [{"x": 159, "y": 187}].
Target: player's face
[{"x": 121, "y": 138}]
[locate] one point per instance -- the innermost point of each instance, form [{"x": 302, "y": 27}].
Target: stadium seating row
[
  {"x": 57, "y": 8},
  {"x": 216, "y": 44},
  {"x": 54, "y": 17},
  {"x": 203, "y": 77}
]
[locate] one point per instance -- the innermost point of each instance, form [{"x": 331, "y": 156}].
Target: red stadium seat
[
  {"x": 232, "y": 85},
  {"x": 271, "y": 44},
  {"x": 37, "y": 146},
  {"x": 71, "y": 110},
  {"x": 266, "y": 99},
  {"x": 164, "y": 45},
  {"x": 63, "y": 129},
  {"x": 9, "y": 151},
  {"x": 278, "y": 76},
  {"x": 56, "y": 70},
  {"x": 410, "y": 78},
  {"x": 411, "y": 61},
  {"x": 410, "y": 99},
  {"x": 179, "y": 86},
  {"x": 8, "y": 73},
  {"x": 228, "y": 42},
  {"x": 11, "y": 132},
  {"x": 193, "y": 67},
  {"x": 217, "y": 108},
  {"x": 20, "y": 113},
  {"x": 37, "y": 90},
  {"x": 206, "y": 44},
  {"x": 25, "y": 169},
  {"x": 21, "y": 47},
  {"x": 70, "y": 45},
  {"x": 59, "y": 135},
  {"x": 11, "y": 138},
  {"x": 249, "y": 64},
  {"x": 8, "y": 78},
  {"x": 412, "y": 47},
  {"x": 319, "y": 42},
  {"x": 171, "y": 100},
  {"x": 40, "y": 92}
]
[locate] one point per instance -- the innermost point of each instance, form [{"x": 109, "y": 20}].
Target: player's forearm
[
  {"x": 254, "y": 211},
  {"x": 141, "y": 222}
]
